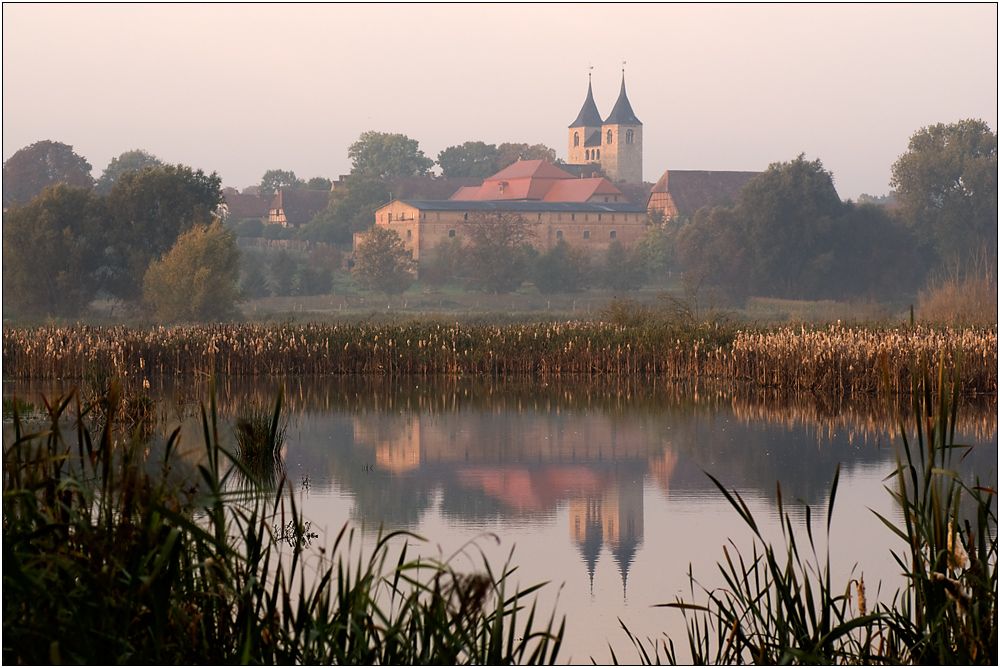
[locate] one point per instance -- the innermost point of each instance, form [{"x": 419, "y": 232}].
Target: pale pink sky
[{"x": 240, "y": 89}]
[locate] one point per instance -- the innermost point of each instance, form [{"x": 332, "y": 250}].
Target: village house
[{"x": 295, "y": 208}]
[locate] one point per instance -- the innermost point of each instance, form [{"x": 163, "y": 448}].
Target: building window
[
  {"x": 586, "y": 217},
  {"x": 598, "y": 154},
  {"x": 437, "y": 216},
  {"x": 588, "y": 153},
  {"x": 616, "y": 198},
  {"x": 558, "y": 216},
  {"x": 390, "y": 217},
  {"x": 586, "y": 234},
  {"x": 609, "y": 136},
  {"x": 613, "y": 234},
  {"x": 576, "y": 139},
  {"x": 539, "y": 216},
  {"x": 572, "y": 216},
  {"x": 466, "y": 215},
  {"x": 629, "y": 136},
  {"x": 612, "y": 218},
  {"x": 409, "y": 234},
  {"x": 558, "y": 234},
  {"x": 451, "y": 233}
]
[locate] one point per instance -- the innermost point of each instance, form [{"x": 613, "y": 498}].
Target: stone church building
[{"x": 614, "y": 143}]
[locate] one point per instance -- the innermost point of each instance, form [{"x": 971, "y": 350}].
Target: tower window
[
  {"x": 609, "y": 136},
  {"x": 629, "y": 135},
  {"x": 576, "y": 139}
]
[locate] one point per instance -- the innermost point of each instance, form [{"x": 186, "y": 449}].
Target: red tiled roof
[
  {"x": 539, "y": 169},
  {"x": 579, "y": 190},
  {"x": 537, "y": 180}
]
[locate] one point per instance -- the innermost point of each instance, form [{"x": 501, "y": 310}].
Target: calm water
[{"x": 598, "y": 486}]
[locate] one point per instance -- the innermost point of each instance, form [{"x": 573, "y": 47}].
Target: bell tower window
[
  {"x": 629, "y": 136},
  {"x": 609, "y": 136},
  {"x": 576, "y": 139}
]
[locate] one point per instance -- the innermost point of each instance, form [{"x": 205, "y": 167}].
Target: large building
[
  {"x": 586, "y": 212},
  {"x": 614, "y": 143}
]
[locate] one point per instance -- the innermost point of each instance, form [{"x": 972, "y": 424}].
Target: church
[{"x": 614, "y": 143}]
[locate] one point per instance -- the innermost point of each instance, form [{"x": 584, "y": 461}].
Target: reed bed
[{"x": 835, "y": 359}]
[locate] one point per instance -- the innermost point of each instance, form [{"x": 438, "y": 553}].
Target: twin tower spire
[{"x": 614, "y": 143}]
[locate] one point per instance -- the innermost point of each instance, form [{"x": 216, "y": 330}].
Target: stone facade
[{"x": 422, "y": 224}]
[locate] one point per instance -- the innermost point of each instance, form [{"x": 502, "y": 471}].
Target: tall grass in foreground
[
  {"x": 779, "y": 605},
  {"x": 105, "y": 563}
]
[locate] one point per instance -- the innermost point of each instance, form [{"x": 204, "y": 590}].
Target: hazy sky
[{"x": 240, "y": 89}]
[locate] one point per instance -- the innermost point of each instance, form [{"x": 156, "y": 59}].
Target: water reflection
[{"x": 600, "y": 481}]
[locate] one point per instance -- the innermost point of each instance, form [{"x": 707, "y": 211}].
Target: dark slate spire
[
  {"x": 622, "y": 114},
  {"x": 589, "y": 116}
]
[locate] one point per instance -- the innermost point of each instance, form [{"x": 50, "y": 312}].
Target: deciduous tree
[
  {"x": 496, "y": 260},
  {"x": 563, "y": 268},
  {"x": 52, "y": 249},
  {"x": 129, "y": 161},
  {"x": 275, "y": 180},
  {"x": 946, "y": 186},
  {"x": 511, "y": 153},
  {"x": 624, "y": 268},
  {"x": 44, "y": 163},
  {"x": 147, "y": 211},
  {"x": 351, "y": 209},
  {"x": 382, "y": 154},
  {"x": 473, "y": 159},
  {"x": 382, "y": 263},
  {"x": 197, "y": 280}
]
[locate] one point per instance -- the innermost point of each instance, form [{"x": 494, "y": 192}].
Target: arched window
[
  {"x": 576, "y": 139},
  {"x": 451, "y": 233},
  {"x": 466, "y": 215},
  {"x": 598, "y": 154},
  {"x": 588, "y": 153},
  {"x": 558, "y": 234},
  {"x": 609, "y": 136},
  {"x": 629, "y": 135}
]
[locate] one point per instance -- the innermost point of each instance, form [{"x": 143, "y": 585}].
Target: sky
[{"x": 243, "y": 88}]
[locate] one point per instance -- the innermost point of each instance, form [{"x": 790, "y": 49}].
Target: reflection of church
[{"x": 612, "y": 518}]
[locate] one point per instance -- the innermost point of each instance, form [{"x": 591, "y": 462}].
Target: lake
[{"x": 598, "y": 485}]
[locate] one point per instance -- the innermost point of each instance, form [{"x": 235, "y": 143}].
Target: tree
[
  {"x": 318, "y": 183},
  {"x": 312, "y": 280},
  {"x": 197, "y": 280},
  {"x": 43, "y": 164},
  {"x": 446, "y": 263},
  {"x": 624, "y": 268},
  {"x": 787, "y": 213},
  {"x": 473, "y": 159},
  {"x": 147, "y": 212},
  {"x": 129, "y": 161},
  {"x": 496, "y": 260},
  {"x": 351, "y": 209},
  {"x": 51, "y": 252},
  {"x": 563, "y": 268},
  {"x": 511, "y": 153},
  {"x": 713, "y": 248},
  {"x": 382, "y": 263},
  {"x": 254, "y": 284},
  {"x": 275, "y": 180},
  {"x": 283, "y": 270},
  {"x": 946, "y": 186},
  {"x": 381, "y": 154}
]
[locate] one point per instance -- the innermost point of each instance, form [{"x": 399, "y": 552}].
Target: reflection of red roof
[
  {"x": 536, "y": 180},
  {"x": 526, "y": 491}
]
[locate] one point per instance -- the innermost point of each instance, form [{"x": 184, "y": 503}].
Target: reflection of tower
[
  {"x": 586, "y": 530},
  {"x": 400, "y": 452},
  {"x": 614, "y": 517},
  {"x": 662, "y": 468}
]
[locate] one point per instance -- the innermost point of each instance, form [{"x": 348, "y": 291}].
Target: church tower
[
  {"x": 615, "y": 143},
  {"x": 621, "y": 137},
  {"x": 585, "y": 132}
]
